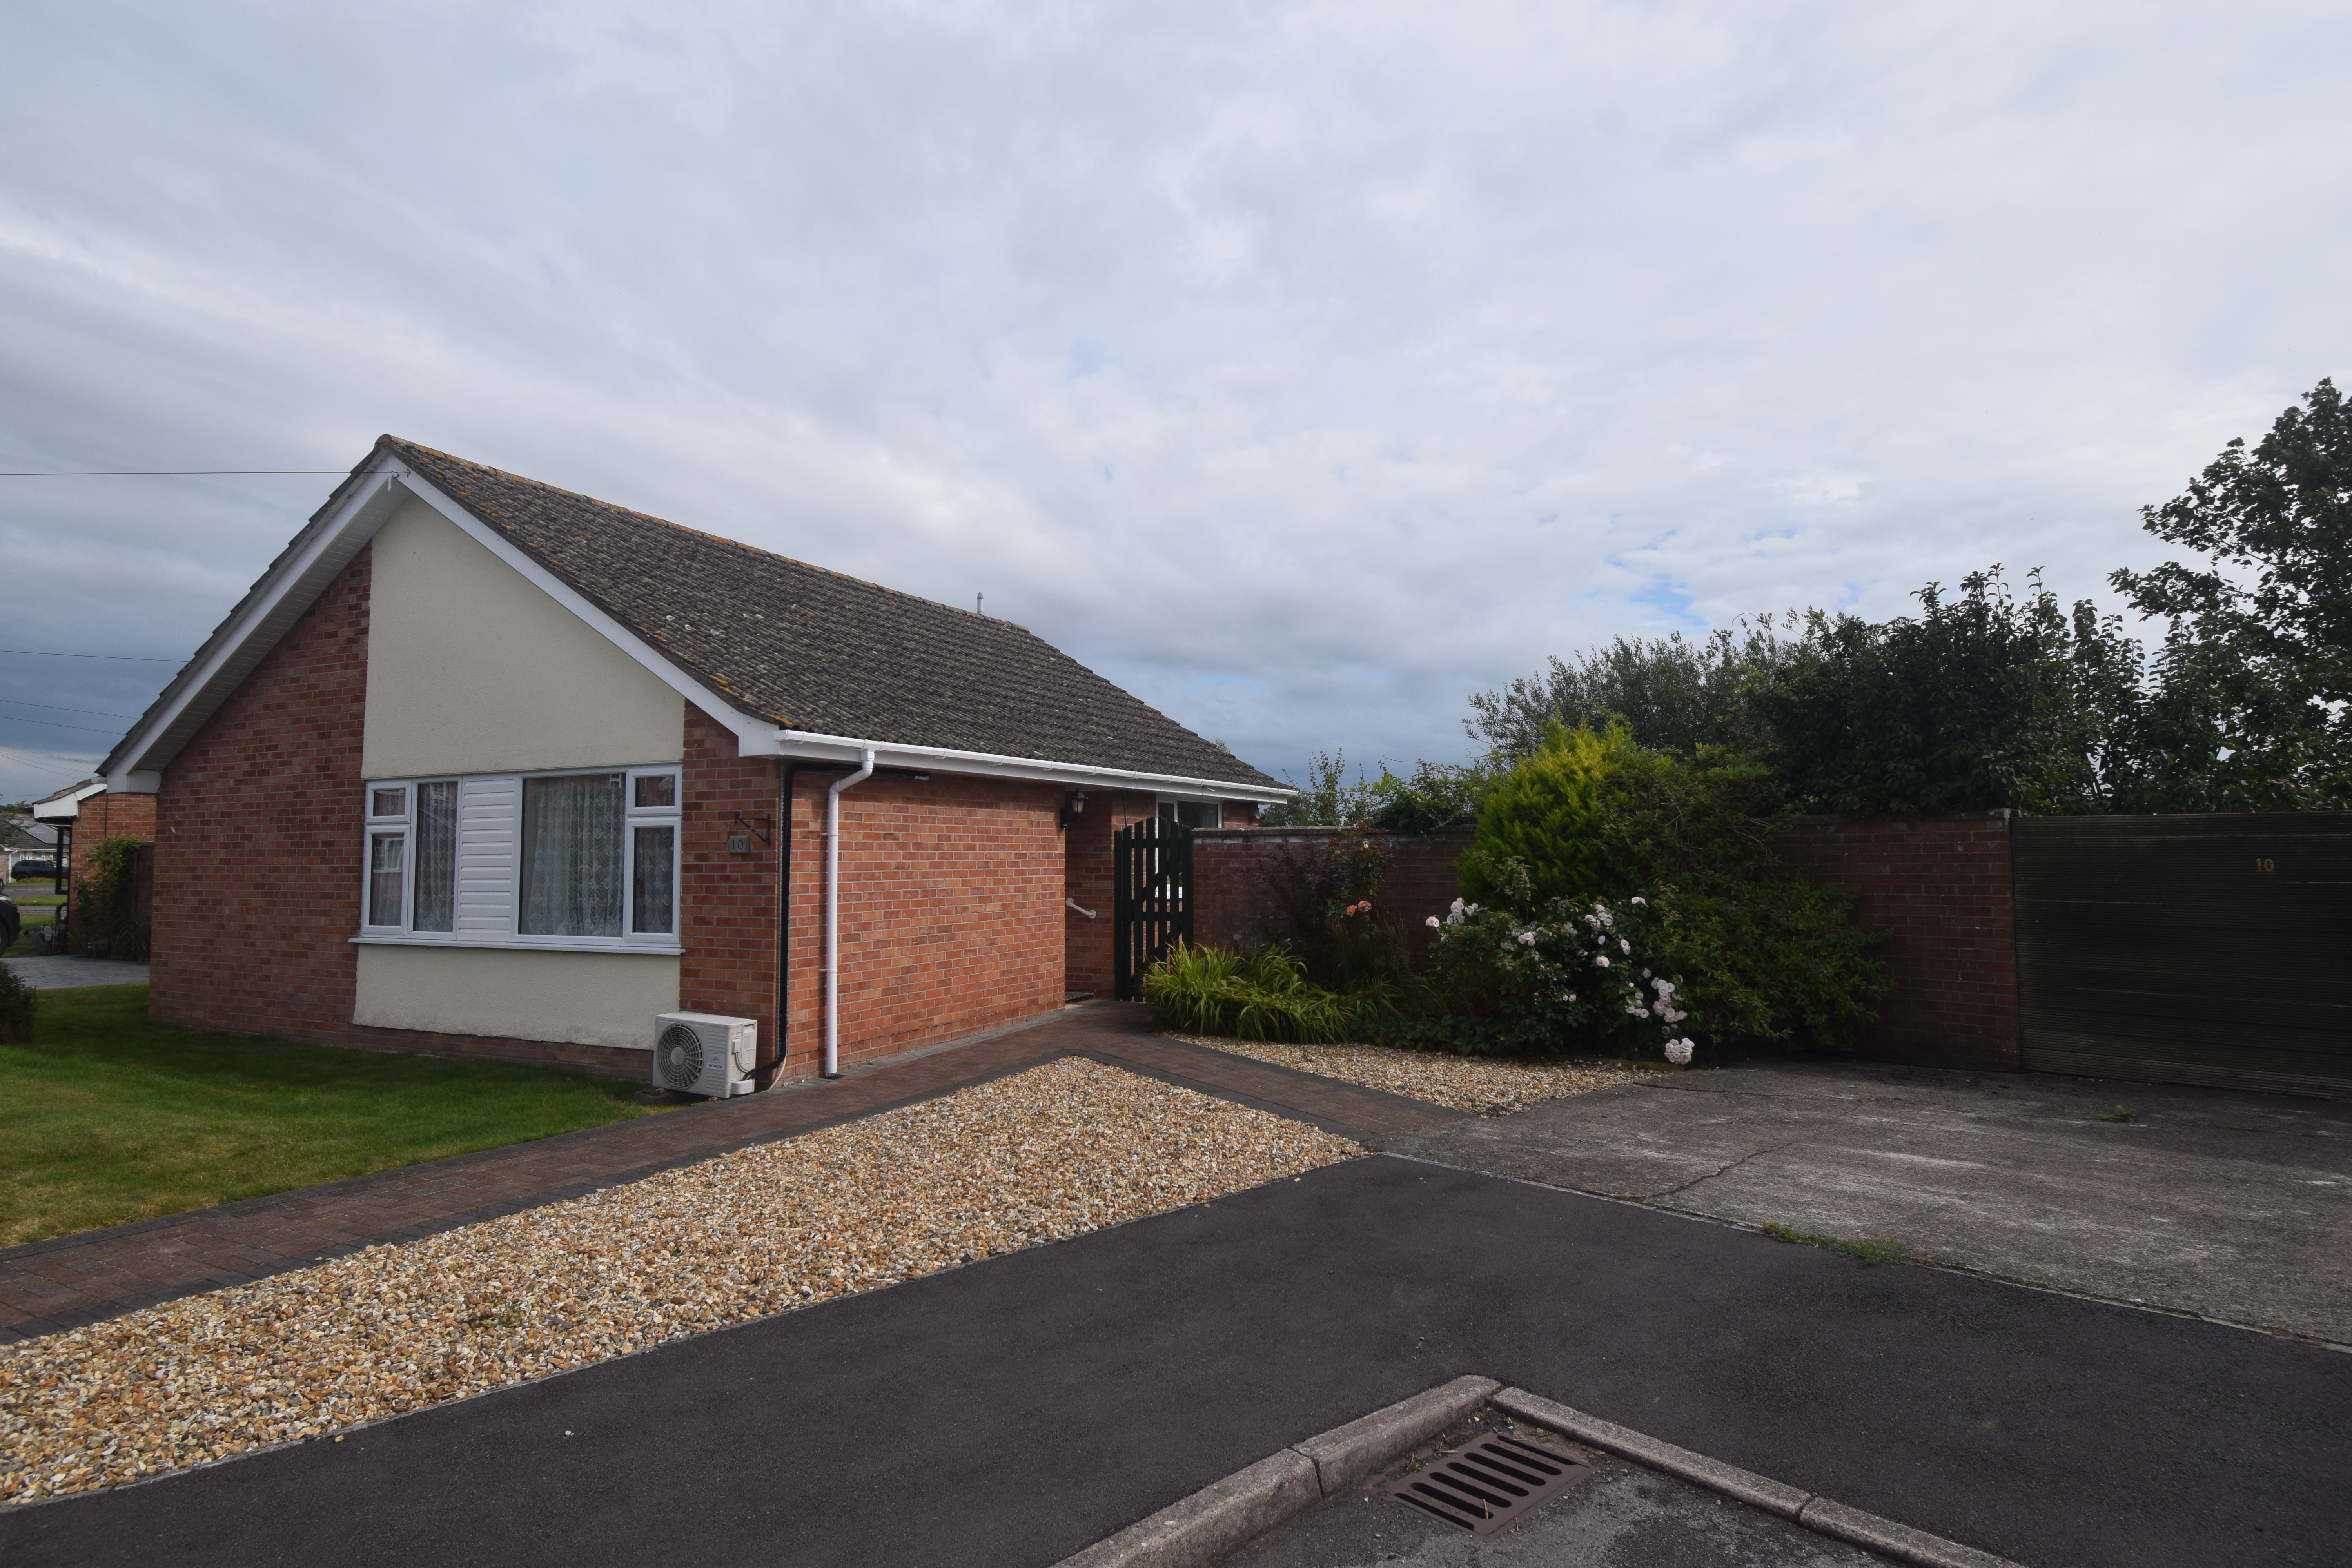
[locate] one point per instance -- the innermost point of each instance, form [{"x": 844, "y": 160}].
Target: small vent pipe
[{"x": 831, "y": 1068}]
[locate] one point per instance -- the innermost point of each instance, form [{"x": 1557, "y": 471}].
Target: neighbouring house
[
  {"x": 25, "y": 840},
  {"x": 480, "y": 766},
  {"x": 80, "y": 814}
]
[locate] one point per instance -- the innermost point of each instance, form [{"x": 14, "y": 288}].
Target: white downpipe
[{"x": 832, "y": 912}]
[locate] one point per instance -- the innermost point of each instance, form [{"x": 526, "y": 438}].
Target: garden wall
[
  {"x": 1940, "y": 889},
  {"x": 1236, "y": 869}
]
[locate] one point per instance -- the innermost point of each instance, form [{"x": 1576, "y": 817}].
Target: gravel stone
[
  {"x": 1485, "y": 1085},
  {"x": 1054, "y": 1151}
]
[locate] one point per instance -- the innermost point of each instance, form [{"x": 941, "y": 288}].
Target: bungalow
[{"x": 484, "y": 767}]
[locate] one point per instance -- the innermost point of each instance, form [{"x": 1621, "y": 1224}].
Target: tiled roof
[{"x": 814, "y": 650}]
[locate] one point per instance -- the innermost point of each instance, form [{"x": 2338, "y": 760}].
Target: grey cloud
[{"x": 1303, "y": 368}]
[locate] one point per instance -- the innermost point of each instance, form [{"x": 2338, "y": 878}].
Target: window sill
[{"x": 515, "y": 944}]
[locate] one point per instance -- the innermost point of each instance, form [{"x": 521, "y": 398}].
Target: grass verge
[
  {"x": 1870, "y": 1248},
  {"x": 107, "y": 1117}
]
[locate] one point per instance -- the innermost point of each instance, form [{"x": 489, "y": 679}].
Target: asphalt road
[{"x": 1014, "y": 1411}]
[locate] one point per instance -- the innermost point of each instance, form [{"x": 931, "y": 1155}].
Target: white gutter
[
  {"x": 845, "y": 748},
  {"x": 831, "y": 1068}
]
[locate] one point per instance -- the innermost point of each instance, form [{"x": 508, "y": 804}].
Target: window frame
[
  {"x": 401, "y": 826},
  {"x": 633, "y": 816},
  {"x": 511, "y": 937},
  {"x": 1166, "y": 808}
]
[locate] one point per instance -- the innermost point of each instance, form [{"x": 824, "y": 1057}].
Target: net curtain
[{"x": 572, "y": 855}]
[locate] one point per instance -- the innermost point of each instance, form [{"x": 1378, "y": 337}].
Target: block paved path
[{"x": 68, "y": 1280}]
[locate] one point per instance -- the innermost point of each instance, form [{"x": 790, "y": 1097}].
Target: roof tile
[{"x": 815, "y": 651}]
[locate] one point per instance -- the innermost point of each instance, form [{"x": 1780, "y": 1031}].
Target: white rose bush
[{"x": 1578, "y": 978}]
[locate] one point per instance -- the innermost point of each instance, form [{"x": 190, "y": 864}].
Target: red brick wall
[
  {"x": 1939, "y": 887},
  {"x": 257, "y": 842},
  {"x": 952, "y": 915},
  {"x": 1231, "y": 868},
  {"x": 727, "y": 902},
  {"x": 1088, "y": 948},
  {"x": 108, "y": 815},
  {"x": 104, "y": 816}
]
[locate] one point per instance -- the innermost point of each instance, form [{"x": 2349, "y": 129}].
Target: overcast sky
[{"x": 1302, "y": 368}]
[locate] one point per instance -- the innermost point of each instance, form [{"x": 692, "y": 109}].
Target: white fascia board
[
  {"x": 66, "y": 806},
  {"x": 803, "y": 744},
  {"x": 140, "y": 769},
  {"x": 751, "y": 733}
]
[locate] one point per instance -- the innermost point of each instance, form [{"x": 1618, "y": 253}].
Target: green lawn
[{"x": 107, "y": 1117}]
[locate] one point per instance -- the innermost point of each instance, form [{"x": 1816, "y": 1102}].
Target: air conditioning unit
[{"x": 702, "y": 1053}]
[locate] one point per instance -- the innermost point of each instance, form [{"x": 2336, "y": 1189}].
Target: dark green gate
[
  {"x": 1152, "y": 899},
  {"x": 2188, "y": 949}
]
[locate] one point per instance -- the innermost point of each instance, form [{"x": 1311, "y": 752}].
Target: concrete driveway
[{"x": 2232, "y": 1206}]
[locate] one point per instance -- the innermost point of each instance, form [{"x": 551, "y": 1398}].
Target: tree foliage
[
  {"x": 1983, "y": 700},
  {"x": 1434, "y": 797},
  {"x": 1988, "y": 699},
  {"x": 2252, "y": 705},
  {"x": 1677, "y": 694}
]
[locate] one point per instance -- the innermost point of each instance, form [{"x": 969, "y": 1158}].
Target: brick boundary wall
[
  {"x": 1231, "y": 868},
  {"x": 1940, "y": 889},
  {"x": 951, "y": 912}
]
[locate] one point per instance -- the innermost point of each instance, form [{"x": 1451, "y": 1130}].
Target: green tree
[
  {"x": 1676, "y": 693},
  {"x": 2252, "y": 703},
  {"x": 1982, "y": 700}
]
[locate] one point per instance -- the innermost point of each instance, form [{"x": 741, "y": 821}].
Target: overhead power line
[
  {"x": 150, "y": 473},
  {"x": 54, "y": 708},
  {"x": 127, "y": 657},
  {"x": 52, "y": 724},
  {"x": 40, "y": 767}
]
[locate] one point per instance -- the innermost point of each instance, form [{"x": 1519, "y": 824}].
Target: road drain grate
[{"x": 1488, "y": 1483}]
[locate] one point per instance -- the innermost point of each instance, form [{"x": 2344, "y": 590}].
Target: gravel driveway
[
  {"x": 1054, "y": 1152},
  {"x": 2228, "y": 1204}
]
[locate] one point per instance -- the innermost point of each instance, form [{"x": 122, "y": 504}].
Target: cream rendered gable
[{"x": 473, "y": 669}]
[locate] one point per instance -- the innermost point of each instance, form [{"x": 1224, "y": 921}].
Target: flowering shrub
[
  {"x": 1765, "y": 956},
  {"x": 1580, "y": 976}
]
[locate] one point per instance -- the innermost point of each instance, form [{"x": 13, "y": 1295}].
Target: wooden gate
[
  {"x": 2211, "y": 950},
  {"x": 1152, "y": 899}
]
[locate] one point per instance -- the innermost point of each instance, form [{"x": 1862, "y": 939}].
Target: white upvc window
[
  {"x": 1190, "y": 813},
  {"x": 580, "y": 859}
]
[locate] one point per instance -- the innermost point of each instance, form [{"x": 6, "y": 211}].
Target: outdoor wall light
[{"x": 1072, "y": 807}]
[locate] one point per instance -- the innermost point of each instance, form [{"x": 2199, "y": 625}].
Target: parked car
[{"x": 26, "y": 870}]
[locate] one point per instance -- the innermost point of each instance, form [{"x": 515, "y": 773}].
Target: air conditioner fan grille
[{"x": 678, "y": 1056}]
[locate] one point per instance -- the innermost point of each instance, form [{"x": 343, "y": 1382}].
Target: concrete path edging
[
  {"x": 1207, "y": 1526},
  {"x": 1210, "y": 1525},
  {"x": 1852, "y": 1525}
]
